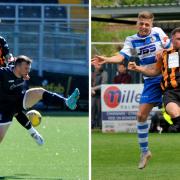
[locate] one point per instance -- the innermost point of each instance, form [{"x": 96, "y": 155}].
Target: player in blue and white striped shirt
[{"x": 143, "y": 45}]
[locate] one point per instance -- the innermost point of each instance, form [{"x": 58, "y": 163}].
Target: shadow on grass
[
  {"x": 27, "y": 177},
  {"x": 64, "y": 113}
]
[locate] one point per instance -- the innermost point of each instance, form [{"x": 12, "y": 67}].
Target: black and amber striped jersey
[
  {"x": 170, "y": 73},
  {"x": 4, "y": 51}
]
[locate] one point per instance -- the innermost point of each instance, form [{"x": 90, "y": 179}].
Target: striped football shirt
[{"x": 145, "y": 47}]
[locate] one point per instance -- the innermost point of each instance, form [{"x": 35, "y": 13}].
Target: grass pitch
[
  {"x": 116, "y": 156},
  {"x": 63, "y": 156}
]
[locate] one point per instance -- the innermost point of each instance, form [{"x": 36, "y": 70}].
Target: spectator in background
[
  {"x": 123, "y": 77},
  {"x": 158, "y": 123},
  {"x": 99, "y": 76}
]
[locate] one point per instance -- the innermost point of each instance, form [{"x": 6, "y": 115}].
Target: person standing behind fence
[
  {"x": 123, "y": 77},
  {"x": 99, "y": 76}
]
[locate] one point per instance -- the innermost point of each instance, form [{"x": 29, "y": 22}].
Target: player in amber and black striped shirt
[
  {"x": 168, "y": 64},
  {"x": 5, "y": 55}
]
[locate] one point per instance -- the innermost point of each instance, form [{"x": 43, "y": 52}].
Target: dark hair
[
  {"x": 121, "y": 64},
  {"x": 145, "y": 15},
  {"x": 175, "y": 31},
  {"x": 20, "y": 59}
]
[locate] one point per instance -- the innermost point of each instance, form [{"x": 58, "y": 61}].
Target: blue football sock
[{"x": 142, "y": 130}]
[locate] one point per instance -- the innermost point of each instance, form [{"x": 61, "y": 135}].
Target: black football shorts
[
  {"x": 171, "y": 95},
  {"x": 5, "y": 118}
]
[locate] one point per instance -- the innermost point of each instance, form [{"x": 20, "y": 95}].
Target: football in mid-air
[{"x": 35, "y": 117}]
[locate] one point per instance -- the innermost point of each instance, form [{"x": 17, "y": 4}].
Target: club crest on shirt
[{"x": 153, "y": 39}]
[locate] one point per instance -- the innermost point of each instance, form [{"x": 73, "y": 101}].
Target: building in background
[{"x": 55, "y": 35}]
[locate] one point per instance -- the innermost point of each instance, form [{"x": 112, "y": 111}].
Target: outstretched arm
[
  {"x": 103, "y": 60},
  {"x": 152, "y": 70}
]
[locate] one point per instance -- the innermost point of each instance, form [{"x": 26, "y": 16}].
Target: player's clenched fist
[
  {"x": 132, "y": 66},
  {"x": 26, "y": 77}
]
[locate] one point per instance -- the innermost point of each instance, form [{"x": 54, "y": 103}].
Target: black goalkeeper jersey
[{"x": 11, "y": 91}]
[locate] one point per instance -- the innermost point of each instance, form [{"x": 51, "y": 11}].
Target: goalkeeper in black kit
[{"x": 14, "y": 99}]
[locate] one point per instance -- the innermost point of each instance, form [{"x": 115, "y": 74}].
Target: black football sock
[
  {"x": 50, "y": 98},
  {"x": 23, "y": 120}
]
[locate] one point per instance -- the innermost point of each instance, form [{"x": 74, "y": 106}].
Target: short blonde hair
[{"x": 146, "y": 15}]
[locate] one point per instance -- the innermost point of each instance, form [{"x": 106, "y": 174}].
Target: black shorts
[
  {"x": 5, "y": 118},
  {"x": 9, "y": 108},
  {"x": 171, "y": 95}
]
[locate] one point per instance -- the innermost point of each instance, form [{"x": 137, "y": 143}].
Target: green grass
[
  {"x": 109, "y": 32},
  {"x": 116, "y": 156},
  {"x": 63, "y": 156},
  {"x": 104, "y": 32}
]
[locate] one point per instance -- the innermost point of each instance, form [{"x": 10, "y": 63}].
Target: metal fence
[{"x": 55, "y": 36}]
